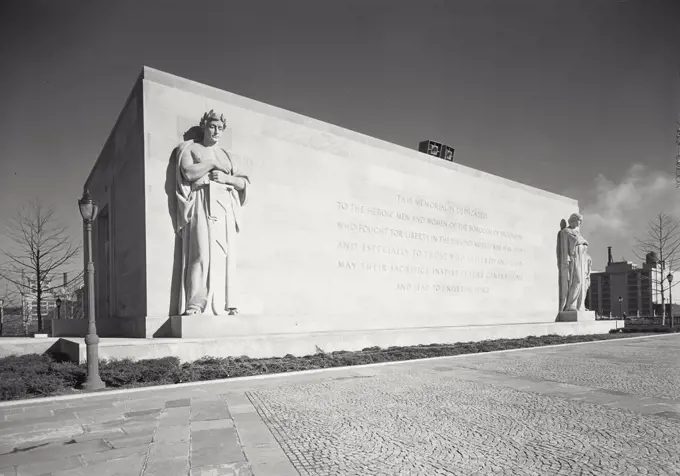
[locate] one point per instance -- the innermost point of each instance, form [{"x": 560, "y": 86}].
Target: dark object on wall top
[{"x": 436, "y": 149}]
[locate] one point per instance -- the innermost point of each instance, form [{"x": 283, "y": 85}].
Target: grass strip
[{"x": 34, "y": 375}]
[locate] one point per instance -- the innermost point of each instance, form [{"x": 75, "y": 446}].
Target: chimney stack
[
  {"x": 610, "y": 260},
  {"x": 65, "y": 280}
]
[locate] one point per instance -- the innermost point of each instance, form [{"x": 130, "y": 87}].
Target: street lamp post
[
  {"x": 620, "y": 306},
  {"x": 88, "y": 210},
  {"x": 670, "y": 295},
  {"x": 58, "y": 308}
]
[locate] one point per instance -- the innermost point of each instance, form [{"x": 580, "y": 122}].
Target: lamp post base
[
  {"x": 94, "y": 384},
  {"x": 94, "y": 381}
]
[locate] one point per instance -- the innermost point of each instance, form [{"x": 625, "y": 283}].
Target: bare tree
[
  {"x": 663, "y": 239},
  {"x": 677, "y": 154},
  {"x": 9, "y": 294},
  {"x": 72, "y": 299},
  {"x": 41, "y": 249}
]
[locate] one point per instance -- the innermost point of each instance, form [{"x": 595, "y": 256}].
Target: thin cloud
[
  {"x": 630, "y": 204},
  {"x": 618, "y": 213}
]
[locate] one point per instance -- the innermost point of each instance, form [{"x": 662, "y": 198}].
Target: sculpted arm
[
  {"x": 193, "y": 171},
  {"x": 562, "y": 253},
  {"x": 565, "y": 250},
  {"x": 238, "y": 183}
]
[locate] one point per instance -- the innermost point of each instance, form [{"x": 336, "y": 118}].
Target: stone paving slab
[{"x": 609, "y": 407}]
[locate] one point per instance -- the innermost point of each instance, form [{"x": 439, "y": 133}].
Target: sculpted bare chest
[{"x": 204, "y": 154}]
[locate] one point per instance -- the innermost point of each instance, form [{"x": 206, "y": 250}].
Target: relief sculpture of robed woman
[{"x": 574, "y": 264}]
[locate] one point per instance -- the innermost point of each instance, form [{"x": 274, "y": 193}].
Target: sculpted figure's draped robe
[
  {"x": 208, "y": 219},
  {"x": 563, "y": 271},
  {"x": 574, "y": 263}
]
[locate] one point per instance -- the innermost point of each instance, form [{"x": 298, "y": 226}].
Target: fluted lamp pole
[
  {"x": 670, "y": 295},
  {"x": 88, "y": 210}
]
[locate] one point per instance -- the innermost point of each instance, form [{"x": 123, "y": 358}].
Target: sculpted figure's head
[
  {"x": 212, "y": 125},
  {"x": 575, "y": 220}
]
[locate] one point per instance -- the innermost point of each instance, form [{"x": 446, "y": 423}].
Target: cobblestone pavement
[{"x": 606, "y": 408}]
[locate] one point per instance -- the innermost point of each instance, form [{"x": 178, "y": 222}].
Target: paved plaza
[{"x": 605, "y": 408}]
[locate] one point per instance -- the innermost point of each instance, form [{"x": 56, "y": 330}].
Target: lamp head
[
  {"x": 88, "y": 207},
  {"x": 58, "y": 302},
  {"x": 669, "y": 278}
]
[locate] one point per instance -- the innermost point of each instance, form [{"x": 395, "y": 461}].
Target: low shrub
[
  {"x": 29, "y": 363},
  {"x": 210, "y": 368},
  {"x": 649, "y": 328},
  {"x": 162, "y": 371},
  {"x": 45, "y": 384},
  {"x": 117, "y": 373},
  {"x": 41, "y": 375},
  {"x": 12, "y": 387},
  {"x": 126, "y": 372},
  {"x": 73, "y": 375},
  {"x": 22, "y": 376}
]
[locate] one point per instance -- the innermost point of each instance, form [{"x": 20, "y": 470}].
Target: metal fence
[
  {"x": 644, "y": 320},
  {"x": 22, "y": 320}
]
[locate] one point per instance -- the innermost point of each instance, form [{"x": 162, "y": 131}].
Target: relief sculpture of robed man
[{"x": 211, "y": 191}]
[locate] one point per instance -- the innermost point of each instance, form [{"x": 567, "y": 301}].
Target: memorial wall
[{"x": 341, "y": 231}]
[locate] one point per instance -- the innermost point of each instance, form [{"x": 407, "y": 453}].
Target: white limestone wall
[
  {"x": 117, "y": 183},
  {"x": 346, "y": 232}
]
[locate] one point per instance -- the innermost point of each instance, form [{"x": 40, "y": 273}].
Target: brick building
[{"x": 639, "y": 288}]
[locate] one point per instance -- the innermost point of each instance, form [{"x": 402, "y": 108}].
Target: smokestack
[
  {"x": 65, "y": 279},
  {"x": 610, "y": 260}
]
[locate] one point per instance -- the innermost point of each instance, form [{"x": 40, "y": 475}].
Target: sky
[{"x": 577, "y": 97}]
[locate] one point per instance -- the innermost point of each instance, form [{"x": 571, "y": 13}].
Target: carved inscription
[
  {"x": 442, "y": 206},
  {"x": 439, "y": 247}
]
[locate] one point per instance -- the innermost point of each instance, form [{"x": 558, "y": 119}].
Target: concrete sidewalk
[
  {"x": 179, "y": 431},
  {"x": 610, "y": 407}
]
